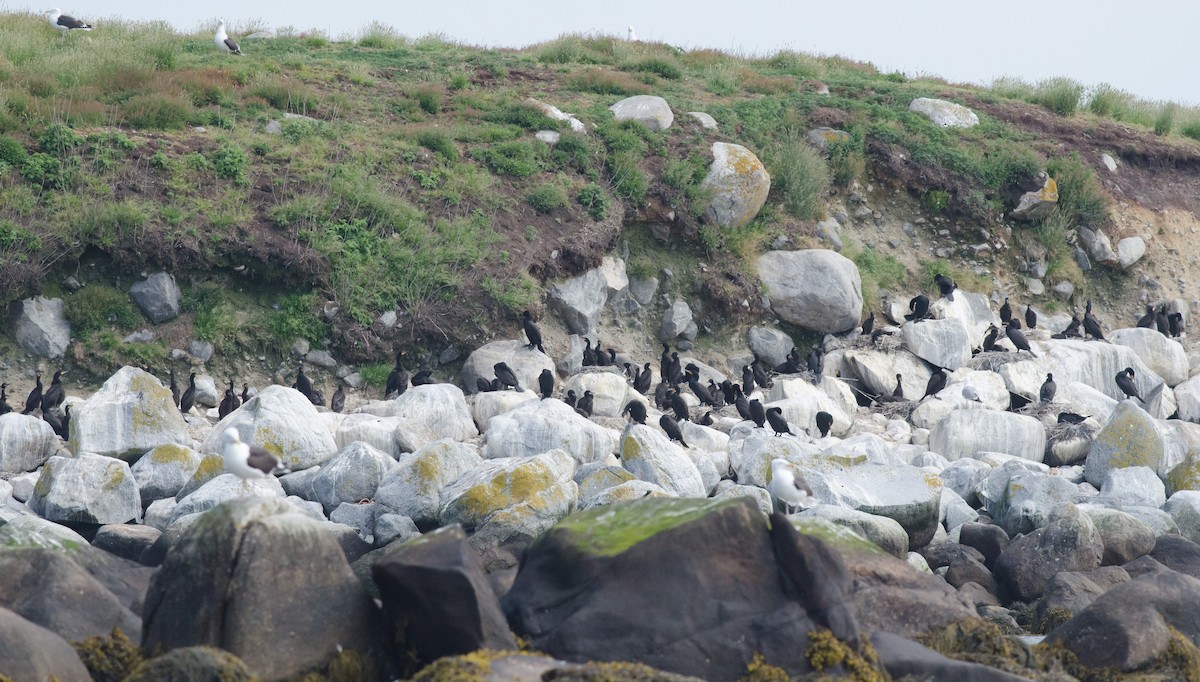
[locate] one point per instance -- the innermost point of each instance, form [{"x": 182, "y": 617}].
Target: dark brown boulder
[
  {"x": 986, "y": 538},
  {"x": 31, "y": 652},
  {"x": 1069, "y": 543}
]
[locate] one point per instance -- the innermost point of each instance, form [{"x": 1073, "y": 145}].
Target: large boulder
[
  {"x": 526, "y": 363},
  {"x": 826, "y": 299},
  {"x": 351, "y": 475},
  {"x": 250, "y": 570},
  {"x": 1070, "y": 543},
  {"x": 284, "y": 422},
  {"x": 1129, "y": 251},
  {"x": 903, "y": 493},
  {"x": 1130, "y": 438},
  {"x": 1096, "y": 364},
  {"x": 942, "y": 343},
  {"x": 1125, "y": 538},
  {"x": 378, "y": 432},
  {"x": 31, "y": 652},
  {"x": 877, "y": 371},
  {"x": 610, "y": 391},
  {"x": 192, "y": 663},
  {"x": 130, "y": 414},
  {"x": 222, "y": 488},
  {"x": 1028, "y": 499},
  {"x": 437, "y": 594},
  {"x": 157, "y": 296},
  {"x": 1070, "y": 592},
  {"x": 572, "y": 596},
  {"x": 440, "y": 409},
  {"x": 26, "y": 443},
  {"x": 676, "y": 322},
  {"x": 506, "y": 503},
  {"x": 164, "y": 471},
  {"x": 87, "y": 489},
  {"x": 738, "y": 183},
  {"x": 944, "y": 114},
  {"x": 654, "y": 458},
  {"x": 412, "y": 488},
  {"x": 648, "y": 110},
  {"x": 41, "y": 327},
  {"x": 1037, "y": 204},
  {"x": 962, "y": 433},
  {"x": 578, "y": 302},
  {"x": 1187, "y": 395},
  {"x": 1136, "y": 486},
  {"x": 769, "y": 345},
  {"x": 544, "y": 425},
  {"x": 884, "y": 532},
  {"x": 1163, "y": 355},
  {"x": 974, "y": 310},
  {"x": 905, "y": 659}
]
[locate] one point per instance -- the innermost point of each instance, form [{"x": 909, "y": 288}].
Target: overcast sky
[{"x": 1146, "y": 47}]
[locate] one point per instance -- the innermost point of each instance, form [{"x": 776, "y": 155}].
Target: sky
[{"x": 1145, "y": 47}]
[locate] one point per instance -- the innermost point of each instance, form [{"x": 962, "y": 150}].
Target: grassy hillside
[{"x": 408, "y": 176}]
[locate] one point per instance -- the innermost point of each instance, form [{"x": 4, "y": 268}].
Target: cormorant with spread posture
[
  {"x": 1125, "y": 383},
  {"x": 338, "y": 401},
  {"x": 34, "y": 400},
  {"x": 506, "y": 376},
  {"x": 824, "y": 423},
  {"x": 532, "y": 332},
  {"x": 758, "y": 413},
  {"x": 636, "y": 411},
  {"x": 189, "y": 395},
  {"x": 671, "y": 428},
  {"x": 397, "y": 381},
  {"x": 919, "y": 307},
  {"x": 1049, "y": 388},
  {"x": 777, "y": 421},
  {"x": 546, "y": 383},
  {"x": 946, "y": 286}
]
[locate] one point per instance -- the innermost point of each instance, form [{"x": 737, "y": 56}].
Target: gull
[
  {"x": 631, "y": 36},
  {"x": 785, "y": 486},
  {"x": 66, "y": 24},
  {"x": 248, "y": 461},
  {"x": 223, "y": 42}
]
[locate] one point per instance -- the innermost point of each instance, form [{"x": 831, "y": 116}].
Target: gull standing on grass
[
  {"x": 223, "y": 42},
  {"x": 65, "y": 24}
]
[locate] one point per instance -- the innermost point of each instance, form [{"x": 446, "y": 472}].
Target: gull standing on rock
[
  {"x": 248, "y": 461},
  {"x": 223, "y": 42},
  {"x": 785, "y": 486}
]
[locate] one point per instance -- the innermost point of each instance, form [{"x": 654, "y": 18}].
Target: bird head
[
  {"x": 54, "y": 12},
  {"x": 231, "y": 435}
]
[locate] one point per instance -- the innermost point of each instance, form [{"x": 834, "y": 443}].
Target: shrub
[
  {"x": 1060, "y": 95},
  {"x": 375, "y": 374},
  {"x": 628, "y": 179},
  {"x": 659, "y": 66},
  {"x": 594, "y": 201},
  {"x": 230, "y": 162},
  {"x": 573, "y": 151},
  {"x": 1108, "y": 101},
  {"x": 98, "y": 306},
  {"x": 297, "y": 318},
  {"x": 605, "y": 82},
  {"x": 1165, "y": 121},
  {"x": 15, "y": 238},
  {"x": 1080, "y": 197},
  {"x": 380, "y": 36},
  {"x": 429, "y": 99},
  {"x": 12, "y": 152},
  {"x": 846, "y": 162},
  {"x": 58, "y": 139},
  {"x": 517, "y": 158},
  {"x": 439, "y": 143},
  {"x": 1191, "y": 129},
  {"x": 46, "y": 171},
  {"x": 546, "y": 198},
  {"x": 800, "y": 176},
  {"x": 156, "y": 111}
]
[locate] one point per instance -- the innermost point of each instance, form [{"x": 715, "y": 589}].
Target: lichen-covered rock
[
  {"x": 884, "y": 532},
  {"x": 31, "y": 652},
  {"x": 545, "y": 425},
  {"x": 577, "y": 302},
  {"x": 962, "y": 433},
  {"x": 164, "y": 471},
  {"x": 87, "y": 489},
  {"x": 352, "y": 474},
  {"x": 157, "y": 296},
  {"x": 412, "y": 488},
  {"x": 1069, "y": 543},
  {"x": 29, "y": 531},
  {"x": 284, "y": 422},
  {"x": 1163, "y": 355},
  {"x": 192, "y": 663},
  {"x": 26, "y": 442},
  {"x": 751, "y": 451},
  {"x": 1039, "y": 203},
  {"x": 130, "y": 414},
  {"x": 1124, "y": 537},
  {"x": 827, "y": 299},
  {"x": 738, "y": 184},
  {"x": 648, "y": 110},
  {"x": 223, "y": 488},
  {"x": 823, "y": 136},
  {"x": 903, "y": 493},
  {"x": 610, "y": 391},
  {"x": 40, "y": 326},
  {"x": 506, "y": 503},
  {"x": 943, "y": 343},
  {"x": 378, "y": 432},
  {"x": 944, "y": 114},
  {"x": 526, "y": 363},
  {"x": 1130, "y": 438},
  {"x": 652, "y": 457},
  {"x": 251, "y": 569}
]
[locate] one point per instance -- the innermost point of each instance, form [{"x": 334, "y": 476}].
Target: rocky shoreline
[{"x": 968, "y": 534}]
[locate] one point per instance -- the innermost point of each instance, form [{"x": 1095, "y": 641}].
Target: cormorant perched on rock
[
  {"x": 707, "y": 419},
  {"x": 1091, "y": 324},
  {"x": 727, "y": 393},
  {"x": 189, "y": 395},
  {"x": 600, "y": 355},
  {"x": 248, "y": 461},
  {"x": 1147, "y": 321},
  {"x": 34, "y": 400},
  {"x": 245, "y": 393},
  {"x": 760, "y": 377},
  {"x": 339, "y": 399},
  {"x": 816, "y": 361},
  {"x": 1125, "y": 383},
  {"x": 306, "y": 388},
  {"x": 506, "y": 376},
  {"x": 1175, "y": 324},
  {"x": 532, "y": 332},
  {"x": 636, "y": 411},
  {"x": 571, "y": 399},
  {"x": 584, "y": 405},
  {"x": 757, "y": 413},
  {"x": 937, "y": 381},
  {"x": 824, "y": 423},
  {"x": 5, "y": 408},
  {"x": 946, "y": 286},
  {"x": 792, "y": 364},
  {"x": 484, "y": 386},
  {"x": 919, "y": 307},
  {"x": 671, "y": 428},
  {"x": 546, "y": 383},
  {"x": 641, "y": 382},
  {"x": 226, "y": 405},
  {"x": 1030, "y": 317},
  {"x": 717, "y": 394},
  {"x": 700, "y": 390},
  {"x": 664, "y": 362},
  {"x": 1072, "y": 330},
  {"x": 674, "y": 371},
  {"x": 423, "y": 378},
  {"x": 1160, "y": 320},
  {"x": 60, "y": 424},
  {"x": 785, "y": 486},
  {"x": 1005, "y": 312},
  {"x": 54, "y": 396},
  {"x": 1071, "y": 418},
  {"x": 660, "y": 394},
  {"x": 899, "y": 390},
  {"x": 397, "y": 381},
  {"x": 676, "y": 403},
  {"x": 589, "y": 355},
  {"x": 174, "y": 388},
  {"x": 66, "y": 423},
  {"x": 748, "y": 379},
  {"x": 1049, "y": 388},
  {"x": 868, "y": 325},
  {"x": 237, "y": 402},
  {"x": 777, "y": 421},
  {"x": 1013, "y": 331},
  {"x": 740, "y": 403}
]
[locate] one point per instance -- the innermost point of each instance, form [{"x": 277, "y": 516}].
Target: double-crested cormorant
[
  {"x": 584, "y": 404},
  {"x": 423, "y": 378},
  {"x": 1091, "y": 324},
  {"x": 824, "y": 423},
  {"x": 1147, "y": 321},
  {"x": 506, "y": 376},
  {"x": 777, "y": 421},
  {"x": 919, "y": 307},
  {"x": 303, "y": 384},
  {"x": 671, "y": 428},
  {"x": 1175, "y": 324},
  {"x": 338, "y": 401},
  {"x": 1125, "y": 383},
  {"x": 5, "y": 408},
  {"x": 636, "y": 411},
  {"x": 641, "y": 382},
  {"x": 571, "y": 399},
  {"x": 758, "y": 413},
  {"x": 701, "y": 391},
  {"x": 676, "y": 403},
  {"x": 237, "y": 402},
  {"x": 1161, "y": 322},
  {"x": 1049, "y": 388},
  {"x": 226, "y": 405},
  {"x": 34, "y": 400},
  {"x": 589, "y": 355},
  {"x": 1005, "y": 312},
  {"x": 397, "y": 381},
  {"x": 189, "y": 395},
  {"x": 245, "y": 393},
  {"x": 55, "y": 395},
  {"x": 868, "y": 325},
  {"x": 945, "y": 285},
  {"x": 1030, "y": 317},
  {"x": 748, "y": 379},
  {"x": 532, "y": 332},
  {"x": 1071, "y": 418},
  {"x": 546, "y": 383},
  {"x": 1013, "y": 331},
  {"x": 937, "y": 381}
]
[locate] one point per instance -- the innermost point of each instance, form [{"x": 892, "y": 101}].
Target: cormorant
[
  {"x": 1147, "y": 321},
  {"x": 484, "y": 386},
  {"x": 423, "y": 378},
  {"x": 727, "y": 391},
  {"x": 571, "y": 400},
  {"x": 5, "y": 408},
  {"x": 718, "y": 395},
  {"x": 1030, "y": 317},
  {"x": 226, "y": 405},
  {"x": 1175, "y": 324},
  {"x": 641, "y": 383},
  {"x": 676, "y": 403},
  {"x": 532, "y": 332},
  {"x": 1013, "y": 331},
  {"x": 1005, "y": 312},
  {"x": 589, "y": 355},
  {"x": 937, "y": 381},
  {"x": 760, "y": 377},
  {"x": 899, "y": 391},
  {"x": 34, "y": 400},
  {"x": 189, "y": 395},
  {"x": 1160, "y": 320},
  {"x": 701, "y": 391},
  {"x": 1049, "y": 388},
  {"x": 919, "y": 307},
  {"x": 584, "y": 405},
  {"x": 664, "y": 362},
  {"x": 636, "y": 411},
  {"x": 1091, "y": 324},
  {"x": 397, "y": 381},
  {"x": 945, "y": 285},
  {"x": 546, "y": 383},
  {"x": 1071, "y": 418},
  {"x": 778, "y": 424},
  {"x": 339, "y": 399},
  {"x": 824, "y": 423},
  {"x": 758, "y": 413},
  {"x": 1125, "y": 383},
  {"x": 868, "y": 325},
  {"x": 245, "y": 393},
  {"x": 506, "y": 376},
  {"x": 748, "y": 379},
  {"x": 1072, "y": 330},
  {"x": 671, "y": 428},
  {"x": 54, "y": 396},
  {"x": 302, "y": 383},
  {"x": 674, "y": 371},
  {"x": 707, "y": 419},
  {"x": 816, "y": 361},
  {"x": 174, "y": 388},
  {"x": 237, "y": 402}
]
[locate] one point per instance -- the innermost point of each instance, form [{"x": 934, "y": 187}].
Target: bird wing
[
  {"x": 262, "y": 460},
  {"x": 70, "y": 22},
  {"x": 232, "y": 46}
]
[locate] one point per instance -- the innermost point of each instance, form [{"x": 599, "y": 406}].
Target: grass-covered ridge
[{"x": 386, "y": 172}]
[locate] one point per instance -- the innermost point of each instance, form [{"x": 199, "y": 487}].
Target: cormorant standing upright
[
  {"x": 641, "y": 382},
  {"x": 189, "y": 395},
  {"x": 34, "y": 400},
  {"x": 868, "y": 325},
  {"x": 546, "y": 383},
  {"x": 54, "y": 396},
  {"x": 532, "y": 332},
  {"x": 397, "y": 381},
  {"x": 937, "y": 381},
  {"x": 1125, "y": 383},
  {"x": 636, "y": 411},
  {"x": 1005, "y": 312},
  {"x": 339, "y": 399},
  {"x": 757, "y": 413},
  {"x": 1030, "y": 317},
  {"x": 1013, "y": 331},
  {"x": 1049, "y": 388},
  {"x": 174, "y": 388}
]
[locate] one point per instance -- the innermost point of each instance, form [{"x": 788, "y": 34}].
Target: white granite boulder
[
  {"x": 87, "y": 489},
  {"x": 378, "y": 432},
  {"x": 769, "y": 345},
  {"x": 351, "y": 475},
  {"x": 654, "y": 458},
  {"x": 738, "y": 183},
  {"x": 827, "y": 299},
  {"x": 413, "y": 487},
  {"x": 904, "y": 493},
  {"x": 1184, "y": 508},
  {"x": 942, "y": 343},
  {"x": 441, "y": 408},
  {"x": 157, "y": 296},
  {"x": 164, "y": 471},
  {"x": 1137, "y": 486},
  {"x": 962, "y": 433},
  {"x": 1130, "y": 438},
  {"x": 877, "y": 370},
  {"x": 544, "y": 425},
  {"x": 1028, "y": 500},
  {"x": 130, "y": 414},
  {"x": 1187, "y": 395},
  {"x": 40, "y": 326},
  {"x": 751, "y": 451},
  {"x": 281, "y": 420},
  {"x": 578, "y": 302},
  {"x": 26, "y": 442},
  {"x": 944, "y": 114},
  {"x": 1129, "y": 251},
  {"x": 648, "y": 110},
  {"x": 610, "y": 391},
  {"x": 486, "y": 405},
  {"x": 526, "y": 363},
  {"x": 223, "y": 488},
  {"x": 1163, "y": 355}
]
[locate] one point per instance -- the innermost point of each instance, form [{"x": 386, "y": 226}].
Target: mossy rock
[
  {"x": 608, "y": 531},
  {"x": 840, "y": 537},
  {"x": 109, "y": 659},
  {"x": 192, "y": 664}
]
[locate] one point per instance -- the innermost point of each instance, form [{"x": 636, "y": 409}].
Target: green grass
[
  {"x": 799, "y": 175},
  {"x": 98, "y": 307},
  {"x": 879, "y": 273},
  {"x": 1081, "y": 200}
]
